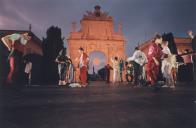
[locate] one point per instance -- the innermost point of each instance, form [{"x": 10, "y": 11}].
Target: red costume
[
  {"x": 83, "y": 64},
  {"x": 107, "y": 69},
  {"x": 152, "y": 68}
]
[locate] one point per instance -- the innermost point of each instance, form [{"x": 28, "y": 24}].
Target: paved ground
[{"x": 98, "y": 106}]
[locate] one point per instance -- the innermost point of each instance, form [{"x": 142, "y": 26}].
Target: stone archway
[{"x": 96, "y": 34}]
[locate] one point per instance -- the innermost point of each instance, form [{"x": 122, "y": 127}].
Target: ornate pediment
[{"x": 97, "y": 14}]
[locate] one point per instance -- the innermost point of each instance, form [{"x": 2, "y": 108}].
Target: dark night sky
[{"x": 140, "y": 18}]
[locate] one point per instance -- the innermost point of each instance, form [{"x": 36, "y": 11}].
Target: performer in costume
[
  {"x": 129, "y": 71},
  {"x": 70, "y": 74},
  {"x": 139, "y": 59},
  {"x": 168, "y": 66},
  {"x": 116, "y": 69},
  {"x": 189, "y": 66},
  {"x": 10, "y": 42},
  {"x": 83, "y": 65},
  {"x": 154, "y": 60},
  {"x": 193, "y": 38},
  {"x": 28, "y": 70},
  {"x": 63, "y": 65},
  {"x": 121, "y": 68},
  {"x": 107, "y": 73}
]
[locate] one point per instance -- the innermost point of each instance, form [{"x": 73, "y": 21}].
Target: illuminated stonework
[{"x": 97, "y": 34}]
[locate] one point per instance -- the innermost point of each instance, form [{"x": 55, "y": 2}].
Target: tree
[{"x": 52, "y": 44}]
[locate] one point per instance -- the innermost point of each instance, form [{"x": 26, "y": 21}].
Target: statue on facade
[{"x": 97, "y": 13}]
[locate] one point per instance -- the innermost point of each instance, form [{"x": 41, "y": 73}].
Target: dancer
[
  {"x": 63, "y": 64},
  {"x": 70, "y": 73},
  {"x": 129, "y": 71},
  {"x": 10, "y": 43},
  {"x": 121, "y": 68},
  {"x": 116, "y": 70},
  {"x": 168, "y": 67},
  {"x": 28, "y": 69},
  {"x": 107, "y": 73},
  {"x": 154, "y": 60},
  {"x": 188, "y": 61},
  {"x": 83, "y": 65},
  {"x": 139, "y": 59},
  {"x": 193, "y": 38}
]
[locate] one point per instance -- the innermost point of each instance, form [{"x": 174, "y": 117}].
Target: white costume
[
  {"x": 140, "y": 58},
  {"x": 167, "y": 64}
]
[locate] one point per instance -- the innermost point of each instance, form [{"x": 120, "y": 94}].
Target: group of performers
[
  {"x": 161, "y": 62},
  {"x": 66, "y": 67},
  {"x": 147, "y": 68},
  {"x": 141, "y": 65}
]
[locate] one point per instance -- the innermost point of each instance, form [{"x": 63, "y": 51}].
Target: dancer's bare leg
[{"x": 10, "y": 75}]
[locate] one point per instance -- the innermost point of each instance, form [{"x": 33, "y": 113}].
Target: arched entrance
[
  {"x": 97, "y": 61},
  {"x": 98, "y": 38}
]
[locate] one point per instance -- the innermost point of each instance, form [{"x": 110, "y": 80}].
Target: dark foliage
[{"x": 52, "y": 44}]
